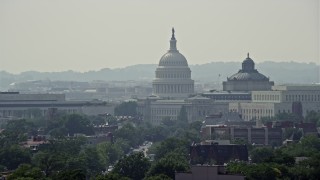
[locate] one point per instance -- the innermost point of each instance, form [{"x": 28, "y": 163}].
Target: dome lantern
[
  {"x": 173, "y": 42},
  {"x": 248, "y": 64},
  {"x": 173, "y": 57}
]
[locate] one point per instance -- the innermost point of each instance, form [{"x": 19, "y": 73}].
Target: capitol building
[
  {"x": 172, "y": 90},
  {"x": 249, "y": 93},
  {"x": 173, "y": 75}
]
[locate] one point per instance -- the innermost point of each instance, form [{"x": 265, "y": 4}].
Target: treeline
[
  {"x": 65, "y": 156},
  {"x": 68, "y": 157},
  {"x": 293, "y": 161},
  {"x": 171, "y": 148}
]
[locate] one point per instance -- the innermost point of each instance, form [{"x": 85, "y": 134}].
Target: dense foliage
[
  {"x": 71, "y": 157},
  {"x": 268, "y": 163}
]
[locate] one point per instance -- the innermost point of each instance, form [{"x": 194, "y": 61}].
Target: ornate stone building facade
[
  {"x": 173, "y": 75},
  {"x": 279, "y": 100},
  {"x": 247, "y": 79},
  {"x": 172, "y": 87}
]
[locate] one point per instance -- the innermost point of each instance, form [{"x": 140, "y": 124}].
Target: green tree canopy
[
  {"x": 169, "y": 164},
  {"x": 75, "y": 123},
  {"x": 15, "y": 132},
  {"x": 183, "y": 116},
  {"x": 134, "y": 135},
  {"x": 171, "y": 145},
  {"x": 133, "y": 166},
  {"x": 259, "y": 155},
  {"x": 12, "y": 156},
  {"x": 26, "y": 171}
]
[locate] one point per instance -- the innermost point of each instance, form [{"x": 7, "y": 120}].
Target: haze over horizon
[{"x": 82, "y": 35}]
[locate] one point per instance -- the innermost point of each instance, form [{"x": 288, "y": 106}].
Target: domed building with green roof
[{"x": 247, "y": 79}]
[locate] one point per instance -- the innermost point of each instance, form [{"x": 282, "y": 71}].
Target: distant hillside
[
  {"x": 279, "y": 72},
  {"x": 282, "y": 72}
]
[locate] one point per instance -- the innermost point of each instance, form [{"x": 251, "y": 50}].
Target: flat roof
[
  {"x": 226, "y": 93},
  {"x": 296, "y": 87}
]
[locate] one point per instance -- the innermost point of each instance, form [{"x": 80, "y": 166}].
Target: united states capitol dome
[
  {"x": 173, "y": 75},
  {"x": 173, "y": 57}
]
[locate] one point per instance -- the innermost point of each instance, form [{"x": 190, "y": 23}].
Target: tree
[
  {"x": 156, "y": 133},
  {"x": 195, "y": 126},
  {"x": 292, "y": 133},
  {"x": 126, "y": 109},
  {"x": 26, "y": 171},
  {"x": 167, "y": 121},
  {"x": 267, "y": 119},
  {"x": 109, "y": 152},
  {"x": 111, "y": 120},
  {"x": 259, "y": 155},
  {"x": 48, "y": 162},
  {"x": 183, "y": 116},
  {"x": 97, "y": 120},
  {"x": 311, "y": 142},
  {"x": 158, "y": 177},
  {"x": 76, "y": 123},
  {"x": 111, "y": 176},
  {"x": 280, "y": 157},
  {"x": 58, "y": 155},
  {"x": 11, "y": 157},
  {"x": 77, "y": 174},
  {"x": 254, "y": 171},
  {"x": 15, "y": 132},
  {"x": 284, "y": 116},
  {"x": 93, "y": 161},
  {"x": 133, "y": 135},
  {"x": 313, "y": 117},
  {"x": 134, "y": 166},
  {"x": 169, "y": 164},
  {"x": 171, "y": 145}
]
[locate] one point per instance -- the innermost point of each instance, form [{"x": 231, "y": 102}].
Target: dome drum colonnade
[{"x": 173, "y": 75}]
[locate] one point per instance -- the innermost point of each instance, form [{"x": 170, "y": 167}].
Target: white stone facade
[
  {"x": 280, "y": 99},
  {"x": 173, "y": 75},
  {"x": 15, "y": 105},
  {"x": 197, "y": 108}
]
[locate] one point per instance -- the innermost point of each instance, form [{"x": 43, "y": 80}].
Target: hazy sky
[{"x": 83, "y": 35}]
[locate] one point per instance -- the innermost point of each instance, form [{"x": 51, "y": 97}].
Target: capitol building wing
[{"x": 173, "y": 75}]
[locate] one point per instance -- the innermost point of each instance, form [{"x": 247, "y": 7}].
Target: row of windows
[
  {"x": 288, "y": 111},
  {"x": 28, "y": 113},
  {"x": 175, "y": 112},
  {"x": 249, "y": 114},
  {"x": 172, "y": 63},
  {"x": 173, "y": 88},
  {"x": 229, "y": 97},
  {"x": 255, "y": 111},
  {"x": 165, "y": 111},
  {"x": 305, "y": 97},
  {"x": 165, "y": 75},
  {"x": 267, "y": 97},
  {"x": 249, "y": 117},
  {"x": 159, "y": 119}
]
